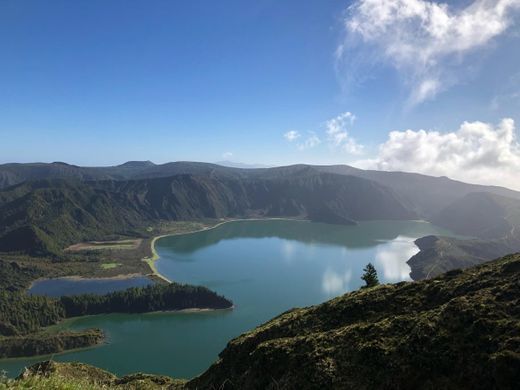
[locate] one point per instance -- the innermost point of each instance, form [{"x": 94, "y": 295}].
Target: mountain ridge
[
  {"x": 41, "y": 217},
  {"x": 61, "y": 212}
]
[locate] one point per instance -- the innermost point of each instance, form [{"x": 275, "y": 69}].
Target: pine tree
[{"x": 370, "y": 276}]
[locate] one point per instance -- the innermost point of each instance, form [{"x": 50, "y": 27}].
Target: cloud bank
[
  {"x": 426, "y": 41},
  {"x": 477, "y": 153}
]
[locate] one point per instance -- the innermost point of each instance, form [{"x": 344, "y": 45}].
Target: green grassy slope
[{"x": 457, "y": 331}]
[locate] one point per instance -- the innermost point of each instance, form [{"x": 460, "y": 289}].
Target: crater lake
[{"x": 265, "y": 267}]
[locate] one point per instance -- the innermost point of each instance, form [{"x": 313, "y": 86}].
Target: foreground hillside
[{"x": 460, "y": 330}]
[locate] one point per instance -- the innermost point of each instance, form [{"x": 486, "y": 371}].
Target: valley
[
  {"x": 266, "y": 195},
  {"x": 51, "y": 207},
  {"x": 65, "y": 222},
  {"x": 265, "y": 267}
]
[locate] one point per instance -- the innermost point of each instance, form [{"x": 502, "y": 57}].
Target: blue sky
[{"x": 103, "y": 82}]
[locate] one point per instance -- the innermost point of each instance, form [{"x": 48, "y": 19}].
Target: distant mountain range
[
  {"x": 426, "y": 194},
  {"x": 46, "y": 207}
]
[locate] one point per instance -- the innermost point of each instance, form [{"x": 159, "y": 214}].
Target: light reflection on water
[
  {"x": 391, "y": 258},
  {"x": 335, "y": 283},
  {"x": 265, "y": 267}
]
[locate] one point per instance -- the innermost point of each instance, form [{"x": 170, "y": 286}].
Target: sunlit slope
[{"x": 40, "y": 217}]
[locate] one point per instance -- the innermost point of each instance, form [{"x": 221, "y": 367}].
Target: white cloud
[
  {"x": 227, "y": 155},
  {"x": 310, "y": 142},
  {"x": 338, "y": 135},
  {"x": 291, "y": 135},
  {"x": 424, "y": 40},
  {"x": 477, "y": 152}
]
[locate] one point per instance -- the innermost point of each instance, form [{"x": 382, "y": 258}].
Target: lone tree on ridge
[{"x": 370, "y": 276}]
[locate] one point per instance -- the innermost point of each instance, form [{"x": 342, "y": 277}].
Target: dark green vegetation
[
  {"x": 43, "y": 343},
  {"x": 21, "y": 314},
  {"x": 460, "y": 330},
  {"x": 16, "y": 277},
  {"x": 151, "y": 298},
  {"x": 11, "y": 174},
  {"x": 441, "y": 254},
  {"x": 457, "y": 331},
  {"x": 23, "y": 318},
  {"x": 43, "y": 217},
  {"x": 370, "y": 276},
  {"x": 44, "y": 208}
]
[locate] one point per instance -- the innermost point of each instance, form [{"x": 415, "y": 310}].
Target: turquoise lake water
[{"x": 265, "y": 267}]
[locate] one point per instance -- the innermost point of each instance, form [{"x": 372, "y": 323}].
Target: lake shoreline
[
  {"x": 155, "y": 256},
  {"x": 106, "y": 339},
  {"x": 51, "y": 355},
  {"x": 155, "y": 275},
  {"x": 301, "y": 263}
]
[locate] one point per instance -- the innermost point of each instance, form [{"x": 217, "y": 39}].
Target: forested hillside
[
  {"x": 23, "y": 318},
  {"x": 43, "y": 217},
  {"x": 56, "y": 205}
]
